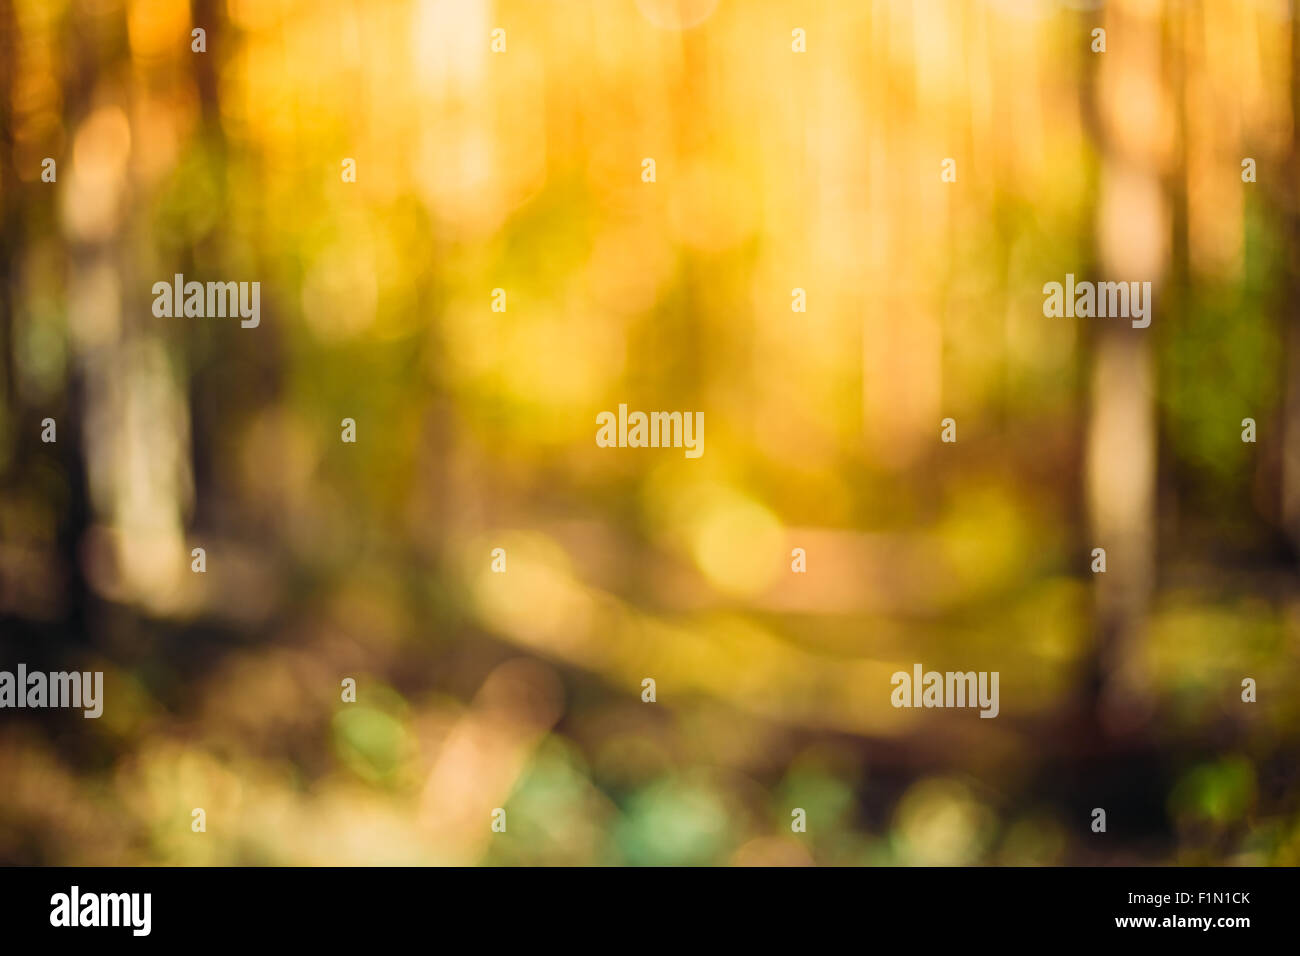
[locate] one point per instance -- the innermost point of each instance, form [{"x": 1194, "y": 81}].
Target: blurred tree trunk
[
  {"x": 84, "y": 60},
  {"x": 203, "y": 385},
  {"x": 26, "y": 461},
  {"x": 10, "y": 224},
  {"x": 1290, "y": 417},
  {"x": 1131, "y": 244}
]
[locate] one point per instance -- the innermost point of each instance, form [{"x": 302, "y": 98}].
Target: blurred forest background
[{"x": 776, "y": 170}]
